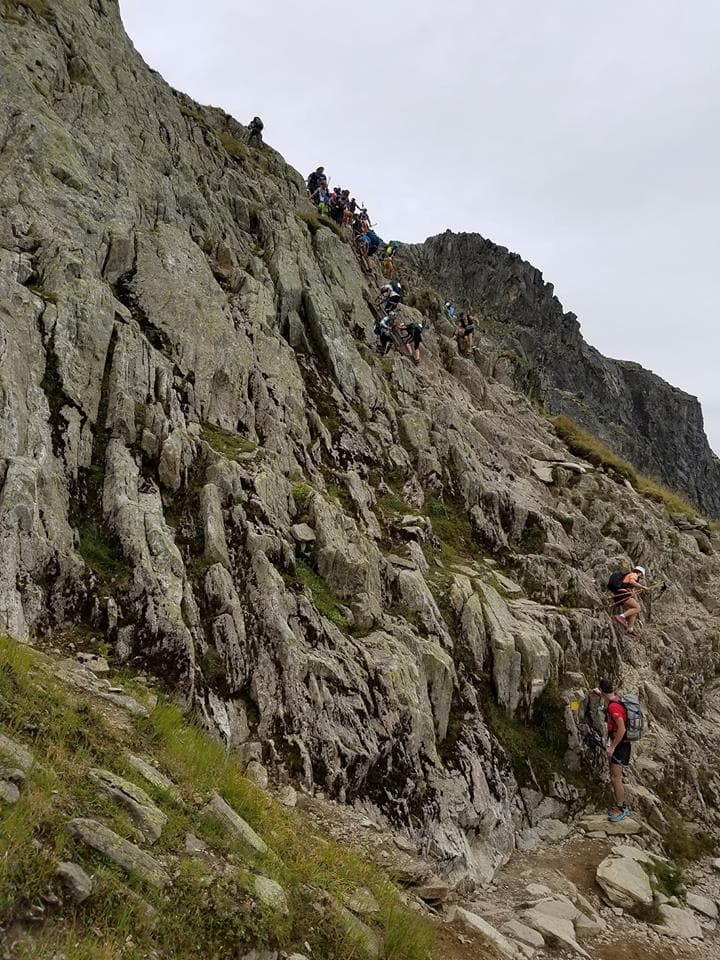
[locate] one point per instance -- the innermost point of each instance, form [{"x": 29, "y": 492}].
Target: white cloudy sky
[{"x": 583, "y": 135}]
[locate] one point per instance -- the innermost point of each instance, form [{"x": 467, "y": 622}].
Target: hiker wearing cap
[
  {"x": 625, "y": 589},
  {"x": 618, "y": 748},
  {"x": 449, "y": 309}
]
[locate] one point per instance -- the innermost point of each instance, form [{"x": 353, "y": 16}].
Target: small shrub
[
  {"x": 666, "y": 877},
  {"x": 301, "y": 493}
]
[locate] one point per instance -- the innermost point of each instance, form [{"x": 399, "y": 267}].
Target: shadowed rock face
[
  {"x": 346, "y": 560},
  {"x": 651, "y": 423}
]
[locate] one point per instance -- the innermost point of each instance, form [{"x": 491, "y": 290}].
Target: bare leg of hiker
[
  {"x": 616, "y": 781},
  {"x": 632, "y": 609}
]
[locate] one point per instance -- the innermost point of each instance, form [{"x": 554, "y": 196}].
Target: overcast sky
[{"x": 583, "y": 135}]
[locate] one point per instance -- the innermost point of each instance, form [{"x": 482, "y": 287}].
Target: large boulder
[{"x": 624, "y": 882}]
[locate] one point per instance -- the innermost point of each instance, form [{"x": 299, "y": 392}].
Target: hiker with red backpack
[
  {"x": 624, "y": 589},
  {"x": 625, "y": 724}
]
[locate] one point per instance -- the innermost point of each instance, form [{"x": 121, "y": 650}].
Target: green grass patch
[
  {"x": 229, "y": 445},
  {"x": 301, "y": 494},
  {"x": 326, "y": 603},
  {"x": 10, "y": 9},
  {"x": 314, "y": 221},
  {"x": 101, "y": 553},
  {"x": 208, "y": 911},
  {"x": 680, "y": 843},
  {"x": 394, "y": 503},
  {"x": 666, "y": 877},
  {"x": 452, "y": 527},
  {"x": 590, "y": 448},
  {"x": 538, "y": 743},
  {"x": 233, "y": 147}
]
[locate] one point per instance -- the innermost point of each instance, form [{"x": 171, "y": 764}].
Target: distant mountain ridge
[{"x": 656, "y": 426}]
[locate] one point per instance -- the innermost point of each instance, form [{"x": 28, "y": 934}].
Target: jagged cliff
[
  {"x": 540, "y": 350},
  {"x": 373, "y": 571}
]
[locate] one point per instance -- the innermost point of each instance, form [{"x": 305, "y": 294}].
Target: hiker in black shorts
[
  {"x": 465, "y": 330},
  {"x": 618, "y": 748},
  {"x": 413, "y": 332}
]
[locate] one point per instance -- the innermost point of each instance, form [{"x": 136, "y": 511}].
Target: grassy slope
[{"x": 209, "y": 911}]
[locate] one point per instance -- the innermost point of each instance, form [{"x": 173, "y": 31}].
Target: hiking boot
[
  {"x": 617, "y": 814},
  {"x": 620, "y": 618},
  {"x": 633, "y": 633}
]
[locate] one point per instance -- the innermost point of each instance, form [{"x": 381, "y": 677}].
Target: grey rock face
[
  {"x": 651, "y": 423},
  {"x": 338, "y": 558}
]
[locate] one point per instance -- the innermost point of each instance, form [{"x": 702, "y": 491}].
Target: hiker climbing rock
[
  {"x": 314, "y": 180},
  {"x": 255, "y": 129},
  {"x": 391, "y": 295},
  {"x": 625, "y": 724},
  {"x": 413, "y": 333},
  {"x": 465, "y": 331},
  {"x": 449, "y": 309},
  {"x": 624, "y": 590},
  {"x": 389, "y": 259},
  {"x": 384, "y": 333}
]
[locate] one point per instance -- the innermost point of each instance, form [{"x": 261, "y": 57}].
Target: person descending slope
[
  {"x": 255, "y": 129},
  {"x": 391, "y": 294},
  {"x": 624, "y": 590}
]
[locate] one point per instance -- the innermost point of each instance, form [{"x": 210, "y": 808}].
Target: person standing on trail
[
  {"x": 624, "y": 590},
  {"x": 618, "y": 748}
]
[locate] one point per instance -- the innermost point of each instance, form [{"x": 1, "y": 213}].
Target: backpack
[
  {"x": 634, "y": 718},
  {"x": 616, "y": 581},
  {"x": 396, "y": 287},
  {"x": 257, "y": 123}
]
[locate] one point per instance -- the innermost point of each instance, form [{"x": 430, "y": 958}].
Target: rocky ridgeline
[
  {"x": 531, "y": 343},
  {"x": 385, "y": 580}
]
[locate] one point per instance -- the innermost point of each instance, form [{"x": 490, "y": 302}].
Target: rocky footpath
[
  {"x": 531, "y": 342},
  {"x": 378, "y": 581}
]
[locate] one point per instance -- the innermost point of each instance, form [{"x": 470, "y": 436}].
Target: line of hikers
[
  {"x": 389, "y": 330},
  {"x": 339, "y": 206}
]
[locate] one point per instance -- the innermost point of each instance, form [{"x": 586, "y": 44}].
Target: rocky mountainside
[
  {"x": 538, "y": 347},
  {"x": 384, "y": 582}
]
